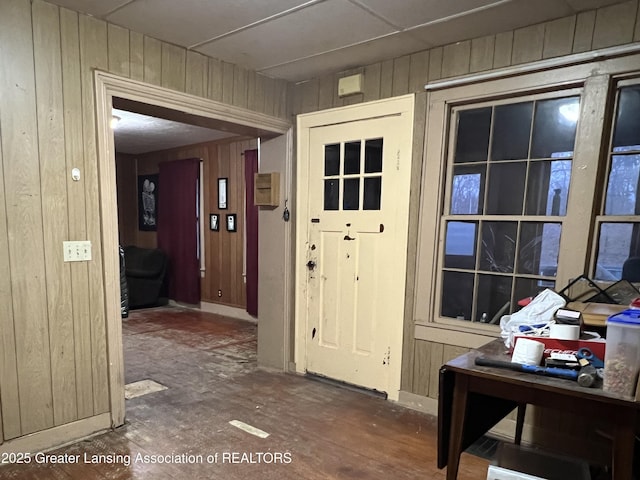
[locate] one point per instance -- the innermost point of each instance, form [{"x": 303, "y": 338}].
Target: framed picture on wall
[
  {"x": 214, "y": 222},
  {"x": 222, "y": 193},
  {"x": 231, "y": 222},
  {"x": 147, "y": 202}
]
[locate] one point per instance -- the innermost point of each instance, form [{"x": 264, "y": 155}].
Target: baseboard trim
[
  {"x": 227, "y": 311},
  {"x": 58, "y": 436}
]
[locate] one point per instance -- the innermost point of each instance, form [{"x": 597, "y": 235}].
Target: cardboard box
[{"x": 597, "y": 345}]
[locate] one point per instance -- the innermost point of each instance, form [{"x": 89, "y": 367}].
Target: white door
[{"x": 355, "y": 241}]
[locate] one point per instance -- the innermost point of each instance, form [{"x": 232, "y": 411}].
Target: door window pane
[
  {"x": 372, "y": 193},
  {"x": 554, "y": 127},
  {"x": 331, "y": 194},
  {"x": 457, "y": 298},
  {"x": 627, "y": 130},
  {"x": 472, "y": 142},
  {"x": 351, "y": 158},
  {"x": 506, "y": 188},
  {"x": 498, "y": 251},
  {"x": 622, "y": 189},
  {"x": 460, "y": 245},
  {"x": 373, "y": 156},
  {"x": 467, "y": 192},
  {"x": 351, "y": 199},
  {"x": 331, "y": 160},
  {"x": 548, "y": 187},
  {"x": 494, "y": 297},
  {"x": 511, "y": 131},
  {"x": 539, "y": 248}
]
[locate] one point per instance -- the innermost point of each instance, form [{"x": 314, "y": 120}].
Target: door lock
[{"x": 311, "y": 265}]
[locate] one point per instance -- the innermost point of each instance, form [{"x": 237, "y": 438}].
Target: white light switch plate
[{"x": 79, "y": 251}]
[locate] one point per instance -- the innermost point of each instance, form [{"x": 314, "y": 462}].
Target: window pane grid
[
  {"x": 617, "y": 239},
  {"x": 509, "y": 191},
  {"x": 353, "y": 175}
]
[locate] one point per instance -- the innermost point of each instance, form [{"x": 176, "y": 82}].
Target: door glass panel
[
  {"x": 539, "y": 248},
  {"x": 373, "y": 156},
  {"x": 511, "y": 131},
  {"x": 494, "y": 297},
  {"x": 372, "y": 193},
  {"x": 460, "y": 245},
  {"x": 332, "y": 160},
  {"x": 472, "y": 143},
  {"x": 351, "y": 158},
  {"x": 618, "y": 242},
  {"x": 498, "y": 251},
  {"x": 622, "y": 190},
  {"x": 554, "y": 127},
  {"x": 351, "y": 194},
  {"x": 506, "y": 188},
  {"x": 331, "y": 194},
  {"x": 548, "y": 187},
  {"x": 467, "y": 192},
  {"x": 457, "y": 295},
  {"x": 627, "y": 130}
]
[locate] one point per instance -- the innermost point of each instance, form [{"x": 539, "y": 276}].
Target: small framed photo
[
  {"x": 214, "y": 222},
  {"x": 222, "y": 193},
  {"x": 231, "y": 222}
]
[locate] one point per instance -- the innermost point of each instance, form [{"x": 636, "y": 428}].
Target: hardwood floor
[{"x": 208, "y": 364}]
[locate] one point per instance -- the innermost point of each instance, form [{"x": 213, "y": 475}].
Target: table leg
[
  {"x": 458, "y": 413},
  {"x": 522, "y": 409},
  {"x": 622, "y": 449}
]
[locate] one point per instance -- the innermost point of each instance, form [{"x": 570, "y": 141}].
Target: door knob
[{"x": 311, "y": 265}]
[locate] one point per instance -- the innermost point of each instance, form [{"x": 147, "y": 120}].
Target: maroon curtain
[
  {"x": 251, "y": 219},
  {"x": 178, "y": 227}
]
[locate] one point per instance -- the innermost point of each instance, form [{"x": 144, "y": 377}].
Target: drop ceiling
[{"x": 300, "y": 39}]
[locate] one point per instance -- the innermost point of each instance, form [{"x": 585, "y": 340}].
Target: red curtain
[
  {"x": 178, "y": 227},
  {"x": 251, "y": 219}
]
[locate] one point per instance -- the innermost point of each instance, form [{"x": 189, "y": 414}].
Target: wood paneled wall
[
  {"x": 608, "y": 26},
  {"x": 53, "y": 358},
  {"x": 223, "y": 280}
]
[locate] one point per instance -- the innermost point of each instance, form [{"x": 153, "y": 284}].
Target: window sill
[{"x": 455, "y": 333}]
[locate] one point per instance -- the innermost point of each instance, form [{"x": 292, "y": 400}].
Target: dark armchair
[{"x": 145, "y": 270}]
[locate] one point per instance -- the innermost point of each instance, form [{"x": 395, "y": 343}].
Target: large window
[
  {"x": 508, "y": 180},
  {"x": 618, "y": 225}
]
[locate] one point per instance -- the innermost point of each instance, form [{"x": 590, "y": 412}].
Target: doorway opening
[{"x": 113, "y": 91}]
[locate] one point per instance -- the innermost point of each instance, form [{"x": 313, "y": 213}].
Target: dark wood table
[{"x": 472, "y": 399}]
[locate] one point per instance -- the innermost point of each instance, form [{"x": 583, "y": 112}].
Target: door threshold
[{"x": 348, "y": 386}]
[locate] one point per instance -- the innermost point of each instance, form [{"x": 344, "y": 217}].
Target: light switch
[{"x": 78, "y": 251}]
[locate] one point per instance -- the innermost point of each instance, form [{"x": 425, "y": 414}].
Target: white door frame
[
  {"x": 387, "y": 107},
  {"x": 108, "y": 86}
]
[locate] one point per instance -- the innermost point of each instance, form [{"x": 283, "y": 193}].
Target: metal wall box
[{"x": 266, "y": 191}]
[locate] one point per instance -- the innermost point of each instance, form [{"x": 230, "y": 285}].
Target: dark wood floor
[{"x": 208, "y": 363}]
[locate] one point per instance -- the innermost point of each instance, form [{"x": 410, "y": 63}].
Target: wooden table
[{"x": 472, "y": 399}]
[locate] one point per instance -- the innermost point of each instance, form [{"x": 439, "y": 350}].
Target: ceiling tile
[
  {"x": 417, "y": 12},
  {"x": 189, "y": 22},
  {"x": 322, "y": 27},
  {"x": 500, "y": 18},
  {"x": 358, "y": 55},
  {"x": 97, "y": 8}
]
